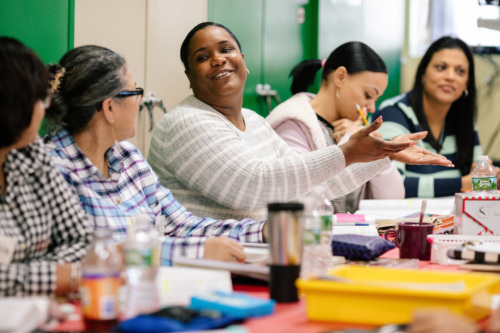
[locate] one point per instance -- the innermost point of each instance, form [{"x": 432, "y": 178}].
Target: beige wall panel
[
  {"x": 168, "y": 23},
  {"x": 119, "y": 25},
  {"x": 488, "y": 105}
]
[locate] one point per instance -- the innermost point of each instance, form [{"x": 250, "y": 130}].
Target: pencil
[{"x": 362, "y": 115}]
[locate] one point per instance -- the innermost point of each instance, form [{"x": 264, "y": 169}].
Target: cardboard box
[{"x": 477, "y": 214}]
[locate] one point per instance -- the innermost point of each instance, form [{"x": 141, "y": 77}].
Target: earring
[
  {"x": 337, "y": 93},
  {"x": 113, "y": 133},
  {"x": 466, "y": 93},
  {"x": 248, "y": 71}
]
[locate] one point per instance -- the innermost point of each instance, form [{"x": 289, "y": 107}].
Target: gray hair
[{"x": 92, "y": 74}]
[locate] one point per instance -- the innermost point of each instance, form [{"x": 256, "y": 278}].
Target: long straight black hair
[
  {"x": 462, "y": 111},
  {"x": 356, "y": 57}
]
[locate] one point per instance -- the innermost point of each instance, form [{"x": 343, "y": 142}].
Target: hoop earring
[
  {"x": 337, "y": 93},
  {"x": 466, "y": 93},
  {"x": 248, "y": 71}
]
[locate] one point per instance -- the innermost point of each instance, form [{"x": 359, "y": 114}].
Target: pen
[{"x": 362, "y": 115}]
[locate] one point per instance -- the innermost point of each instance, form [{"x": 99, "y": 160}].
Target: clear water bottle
[
  {"x": 142, "y": 261},
  {"x": 484, "y": 178},
  {"x": 323, "y": 209},
  {"x": 317, "y": 248},
  {"x": 101, "y": 282}
]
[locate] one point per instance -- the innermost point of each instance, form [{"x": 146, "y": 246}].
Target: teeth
[{"x": 221, "y": 75}]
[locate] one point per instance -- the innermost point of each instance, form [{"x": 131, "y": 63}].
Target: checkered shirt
[
  {"x": 41, "y": 212},
  {"x": 132, "y": 189}
]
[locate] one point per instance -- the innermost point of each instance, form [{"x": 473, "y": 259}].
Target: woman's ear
[
  {"x": 340, "y": 76},
  {"x": 108, "y": 110}
]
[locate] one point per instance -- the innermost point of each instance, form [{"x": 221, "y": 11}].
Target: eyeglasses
[{"x": 126, "y": 93}]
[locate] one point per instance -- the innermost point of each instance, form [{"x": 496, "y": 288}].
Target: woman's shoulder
[
  {"x": 297, "y": 108},
  {"x": 394, "y": 102},
  {"x": 397, "y": 107},
  {"x": 190, "y": 112}
]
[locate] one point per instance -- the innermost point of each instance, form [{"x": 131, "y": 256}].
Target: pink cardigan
[{"x": 295, "y": 121}]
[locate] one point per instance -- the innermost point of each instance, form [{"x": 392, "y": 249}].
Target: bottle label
[
  {"x": 484, "y": 183},
  {"x": 100, "y": 296},
  {"x": 326, "y": 223},
  {"x": 311, "y": 236},
  {"x": 141, "y": 257}
]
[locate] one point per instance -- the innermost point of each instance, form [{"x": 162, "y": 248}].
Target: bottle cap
[{"x": 483, "y": 158}]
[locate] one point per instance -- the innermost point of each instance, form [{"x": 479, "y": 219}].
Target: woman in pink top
[{"x": 352, "y": 74}]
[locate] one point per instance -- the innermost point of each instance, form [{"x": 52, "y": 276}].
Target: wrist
[{"x": 345, "y": 151}]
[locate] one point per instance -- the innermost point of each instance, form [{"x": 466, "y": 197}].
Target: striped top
[
  {"x": 217, "y": 170},
  {"x": 133, "y": 189},
  {"x": 425, "y": 181}
]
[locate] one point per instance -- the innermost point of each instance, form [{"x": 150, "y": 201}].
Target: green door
[
  {"x": 275, "y": 35},
  {"x": 46, "y": 26}
]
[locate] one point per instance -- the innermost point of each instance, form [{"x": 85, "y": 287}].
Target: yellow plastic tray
[{"x": 378, "y": 296}]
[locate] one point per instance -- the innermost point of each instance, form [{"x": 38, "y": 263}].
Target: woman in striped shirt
[
  {"x": 443, "y": 102},
  {"x": 226, "y": 161}
]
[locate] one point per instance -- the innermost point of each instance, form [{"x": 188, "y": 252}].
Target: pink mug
[{"x": 411, "y": 238}]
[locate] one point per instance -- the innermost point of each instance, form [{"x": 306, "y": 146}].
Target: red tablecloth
[{"x": 288, "y": 317}]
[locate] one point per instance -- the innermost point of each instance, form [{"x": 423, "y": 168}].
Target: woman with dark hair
[
  {"x": 443, "y": 102},
  {"x": 95, "y": 106},
  {"x": 352, "y": 74},
  {"x": 43, "y": 230},
  {"x": 225, "y": 161}
]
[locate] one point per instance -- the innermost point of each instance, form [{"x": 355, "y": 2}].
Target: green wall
[{"x": 46, "y": 26}]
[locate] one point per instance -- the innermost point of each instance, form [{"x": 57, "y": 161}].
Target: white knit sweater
[{"x": 218, "y": 171}]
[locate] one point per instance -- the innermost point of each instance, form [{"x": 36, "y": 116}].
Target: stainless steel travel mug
[{"x": 285, "y": 224}]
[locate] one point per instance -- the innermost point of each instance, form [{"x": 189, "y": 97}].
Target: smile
[{"x": 222, "y": 74}]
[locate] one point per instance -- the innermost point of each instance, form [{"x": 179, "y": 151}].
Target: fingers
[
  {"x": 225, "y": 249},
  {"x": 375, "y": 125},
  {"x": 417, "y": 136}
]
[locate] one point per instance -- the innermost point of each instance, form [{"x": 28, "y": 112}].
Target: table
[{"x": 288, "y": 317}]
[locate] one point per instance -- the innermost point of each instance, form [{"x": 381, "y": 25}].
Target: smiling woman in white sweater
[
  {"x": 352, "y": 74},
  {"x": 225, "y": 161}
]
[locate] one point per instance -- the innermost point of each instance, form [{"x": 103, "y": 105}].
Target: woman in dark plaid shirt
[{"x": 43, "y": 230}]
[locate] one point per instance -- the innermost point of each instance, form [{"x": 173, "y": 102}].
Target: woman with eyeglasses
[
  {"x": 94, "y": 109},
  {"x": 43, "y": 230}
]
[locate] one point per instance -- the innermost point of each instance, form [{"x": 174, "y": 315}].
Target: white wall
[{"x": 148, "y": 34}]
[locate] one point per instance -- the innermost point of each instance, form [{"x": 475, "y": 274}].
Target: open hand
[
  {"x": 224, "y": 249},
  {"x": 416, "y": 154},
  {"x": 362, "y": 147}
]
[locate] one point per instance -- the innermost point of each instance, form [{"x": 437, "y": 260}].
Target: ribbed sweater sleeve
[{"x": 198, "y": 147}]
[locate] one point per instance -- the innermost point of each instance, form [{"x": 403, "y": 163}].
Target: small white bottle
[
  {"x": 142, "y": 261},
  {"x": 484, "y": 178}
]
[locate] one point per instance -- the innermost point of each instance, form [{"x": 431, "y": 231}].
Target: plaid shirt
[
  {"x": 133, "y": 189},
  {"x": 42, "y": 214}
]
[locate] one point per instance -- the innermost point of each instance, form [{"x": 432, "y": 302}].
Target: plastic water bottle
[
  {"x": 317, "y": 248},
  {"x": 323, "y": 209},
  {"x": 142, "y": 261},
  {"x": 101, "y": 283},
  {"x": 484, "y": 177}
]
